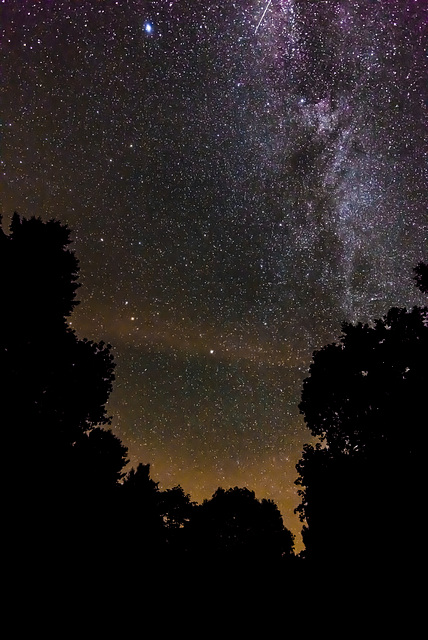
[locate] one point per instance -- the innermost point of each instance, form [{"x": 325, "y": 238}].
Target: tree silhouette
[
  {"x": 66, "y": 482},
  {"x": 362, "y": 390},
  {"x": 421, "y": 276},
  {"x": 99, "y": 457},
  {"x": 140, "y": 490},
  {"x": 175, "y": 507},
  {"x": 233, "y": 527},
  {"x": 365, "y": 401},
  {"x": 155, "y": 519},
  {"x": 39, "y": 275},
  {"x": 65, "y": 466}
]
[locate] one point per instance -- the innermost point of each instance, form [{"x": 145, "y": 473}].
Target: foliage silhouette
[
  {"x": 41, "y": 280},
  {"x": 365, "y": 401},
  {"x": 144, "y": 532},
  {"x": 234, "y": 528},
  {"x": 176, "y": 508},
  {"x": 363, "y": 389},
  {"x": 100, "y": 458},
  {"x": 53, "y": 395},
  {"x": 421, "y": 276},
  {"x": 155, "y": 518},
  {"x": 71, "y": 490}
]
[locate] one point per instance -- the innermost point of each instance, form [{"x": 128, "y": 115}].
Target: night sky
[{"x": 240, "y": 178}]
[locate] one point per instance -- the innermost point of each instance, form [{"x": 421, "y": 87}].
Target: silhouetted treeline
[
  {"x": 363, "y": 483},
  {"x": 72, "y": 506},
  {"x": 71, "y": 503}
]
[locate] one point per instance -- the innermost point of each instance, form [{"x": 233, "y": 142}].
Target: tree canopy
[
  {"x": 421, "y": 276},
  {"x": 56, "y": 385},
  {"x": 40, "y": 275},
  {"x": 70, "y": 483},
  {"x": 235, "y": 526},
  {"x": 367, "y": 390},
  {"x": 364, "y": 401}
]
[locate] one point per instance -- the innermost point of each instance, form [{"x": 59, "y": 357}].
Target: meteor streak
[
  {"x": 265, "y": 11},
  {"x": 263, "y": 15}
]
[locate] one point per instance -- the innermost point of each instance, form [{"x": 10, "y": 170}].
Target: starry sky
[{"x": 240, "y": 178}]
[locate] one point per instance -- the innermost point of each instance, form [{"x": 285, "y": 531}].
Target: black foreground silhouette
[{"x": 73, "y": 510}]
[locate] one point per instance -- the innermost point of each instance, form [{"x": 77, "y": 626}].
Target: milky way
[{"x": 240, "y": 178}]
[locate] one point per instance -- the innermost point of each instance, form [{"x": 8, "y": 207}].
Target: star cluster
[{"x": 240, "y": 178}]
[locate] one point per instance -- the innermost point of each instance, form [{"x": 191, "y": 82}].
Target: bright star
[{"x": 148, "y": 28}]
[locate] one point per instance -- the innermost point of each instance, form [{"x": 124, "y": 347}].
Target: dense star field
[{"x": 240, "y": 178}]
